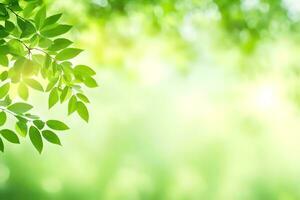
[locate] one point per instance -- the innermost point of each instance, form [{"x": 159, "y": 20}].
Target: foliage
[{"x": 35, "y": 56}]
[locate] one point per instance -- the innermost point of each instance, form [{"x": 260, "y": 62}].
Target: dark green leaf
[
  {"x": 36, "y": 139},
  {"x": 10, "y": 136},
  {"x": 1, "y": 145},
  {"x": 51, "y": 137},
  {"x": 9, "y": 26},
  {"x": 2, "y": 118},
  {"x": 39, "y": 124},
  {"x": 26, "y": 27}
]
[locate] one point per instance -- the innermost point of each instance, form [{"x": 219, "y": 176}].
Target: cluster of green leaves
[{"x": 34, "y": 55}]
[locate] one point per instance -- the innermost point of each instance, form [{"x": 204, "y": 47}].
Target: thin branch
[
  {"x": 16, "y": 14},
  {"x": 15, "y": 114}
]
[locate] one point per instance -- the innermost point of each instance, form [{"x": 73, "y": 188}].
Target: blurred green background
[{"x": 198, "y": 99}]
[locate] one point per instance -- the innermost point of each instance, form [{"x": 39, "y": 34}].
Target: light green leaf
[
  {"x": 34, "y": 84},
  {"x": 21, "y": 128},
  {"x": 10, "y": 136},
  {"x": 23, "y": 91},
  {"x": 72, "y": 105},
  {"x": 56, "y": 31},
  {"x": 40, "y": 17},
  {"x": 64, "y": 94},
  {"x": 90, "y": 82},
  {"x": 4, "y": 90},
  {"x": 83, "y": 98},
  {"x": 82, "y": 111},
  {"x": 84, "y": 70},
  {"x": 36, "y": 138},
  {"x": 57, "y": 125},
  {"x": 59, "y": 44},
  {"x": 3, "y": 60},
  {"x": 53, "y": 98},
  {"x": 68, "y": 53},
  {"x": 19, "y": 108},
  {"x": 51, "y": 137}
]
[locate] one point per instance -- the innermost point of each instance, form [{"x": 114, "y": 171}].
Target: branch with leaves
[{"x": 32, "y": 52}]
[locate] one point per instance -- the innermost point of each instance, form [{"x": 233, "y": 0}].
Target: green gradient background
[{"x": 198, "y": 99}]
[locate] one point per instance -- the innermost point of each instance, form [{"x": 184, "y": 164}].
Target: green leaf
[
  {"x": 23, "y": 91},
  {"x": 90, "y": 82},
  {"x": 16, "y": 48},
  {"x": 40, "y": 17},
  {"x": 19, "y": 108},
  {"x": 44, "y": 42},
  {"x": 10, "y": 136},
  {"x": 51, "y": 137},
  {"x": 4, "y": 75},
  {"x": 4, "y": 60},
  {"x": 84, "y": 70},
  {"x": 56, "y": 31},
  {"x": 82, "y": 111},
  {"x": 68, "y": 53},
  {"x": 83, "y": 98},
  {"x": 39, "y": 124},
  {"x": 4, "y": 90},
  {"x": 72, "y": 105},
  {"x": 52, "y": 19},
  {"x": 57, "y": 125},
  {"x": 51, "y": 84},
  {"x": 21, "y": 128},
  {"x": 36, "y": 138},
  {"x": 2, "y": 118},
  {"x": 59, "y": 44},
  {"x": 26, "y": 27},
  {"x": 3, "y": 32},
  {"x": 65, "y": 93},
  {"x": 34, "y": 84},
  {"x": 9, "y": 26},
  {"x": 1, "y": 145},
  {"x": 3, "y": 12},
  {"x": 53, "y": 97}
]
